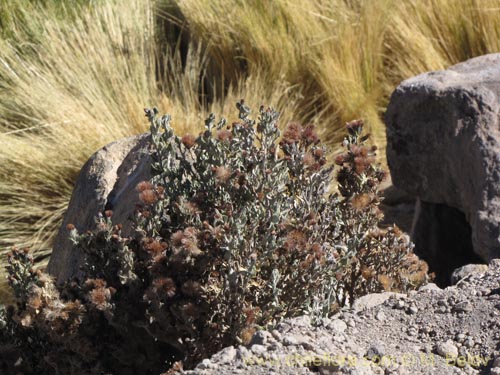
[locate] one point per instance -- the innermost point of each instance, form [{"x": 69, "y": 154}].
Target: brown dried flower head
[
  {"x": 224, "y": 135},
  {"x": 165, "y": 286},
  {"x": 222, "y": 174},
  {"x": 188, "y": 140},
  {"x": 191, "y": 288},
  {"x": 144, "y": 185},
  {"x": 148, "y": 196},
  {"x": 309, "y": 135},
  {"x": 293, "y": 133}
]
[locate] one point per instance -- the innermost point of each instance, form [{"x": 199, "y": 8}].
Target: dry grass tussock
[{"x": 74, "y": 80}]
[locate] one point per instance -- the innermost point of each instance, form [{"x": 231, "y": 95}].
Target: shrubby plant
[{"x": 237, "y": 230}]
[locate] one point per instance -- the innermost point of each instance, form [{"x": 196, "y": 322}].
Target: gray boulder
[
  {"x": 443, "y": 147},
  {"x": 107, "y": 181},
  {"x": 468, "y": 270}
]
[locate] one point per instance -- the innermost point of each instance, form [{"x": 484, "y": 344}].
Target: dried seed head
[
  {"x": 148, "y": 196},
  {"x": 293, "y": 133},
  {"x": 188, "y": 140},
  {"x": 340, "y": 160},
  {"x": 190, "y": 309},
  {"x": 176, "y": 238},
  {"x": 155, "y": 247},
  {"x": 361, "y": 201},
  {"x": 367, "y": 272},
  {"x": 246, "y": 335},
  {"x": 386, "y": 282},
  {"x": 191, "y": 288},
  {"x": 309, "y": 135},
  {"x": 308, "y": 160},
  {"x": 296, "y": 240},
  {"x": 144, "y": 185},
  {"x": 318, "y": 153},
  {"x": 165, "y": 286},
  {"x": 222, "y": 174},
  {"x": 224, "y": 135}
]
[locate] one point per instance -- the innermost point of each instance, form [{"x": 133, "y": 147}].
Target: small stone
[
  {"x": 447, "y": 348},
  {"x": 339, "y": 338},
  {"x": 400, "y": 304},
  {"x": 205, "y": 364},
  {"x": 351, "y": 323},
  {"x": 380, "y": 316},
  {"x": 460, "y": 337},
  {"x": 337, "y": 325},
  {"x": 243, "y": 353},
  {"x": 260, "y": 338},
  {"x": 496, "y": 362},
  {"x": 431, "y": 287},
  {"x": 467, "y": 270},
  {"x": 290, "y": 340},
  {"x": 483, "y": 292},
  {"x": 463, "y": 306},
  {"x": 495, "y": 371},
  {"x": 371, "y": 300},
  {"x": 374, "y": 351},
  {"x": 412, "y": 331},
  {"x": 441, "y": 310},
  {"x": 469, "y": 343},
  {"x": 226, "y": 355},
  {"x": 302, "y": 321},
  {"x": 463, "y": 351},
  {"x": 258, "y": 349},
  {"x": 276, "y": 334},
  {"x": 275, "y": 346},
  {"x": 413, "y": 310}
]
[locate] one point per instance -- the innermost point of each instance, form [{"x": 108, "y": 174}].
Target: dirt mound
[{"x": 433, "y": 331}]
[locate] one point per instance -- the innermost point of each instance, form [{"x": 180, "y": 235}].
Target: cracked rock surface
[{"x": 431, "y": 331}]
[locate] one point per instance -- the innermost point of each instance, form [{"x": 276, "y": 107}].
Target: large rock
[
  {"x": 106, "y": 181},
  {"x": 443, "y": 146}
]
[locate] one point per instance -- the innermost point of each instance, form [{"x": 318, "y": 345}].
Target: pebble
[
  {"x": 460, "y": 337},
  {"x": 337, "y": 325},
  {"x": 243, "y": 352},
  {"x": 225, "y": 355},
  {"x": 289, "y": 340},
  {"x": 374, "y": 351},
  {"x": 260, "y": 338},
  {"x": 400, "y": 304},
  {"x": 205, "y": 364},
  {"x": 380, "y": 316},
  {"x": 258, "y": 349},
  {"x": 339, "y": 338},
  {"x": 276, "y": 334},
  {"x": 446, "y": 348},
  {"x": 441, "y": 310},
  {"x": 469, "y": 343},
  {"x": 431, "y": 287},
  {"x": 464, "y": 306},
  {"x": 495, "y": 371},
  {"x": 413, "y": 310},
  {"x": 412, "y": 331}
]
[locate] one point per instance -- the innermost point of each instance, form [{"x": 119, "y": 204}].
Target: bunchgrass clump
[{"x": 237, "y": 230}]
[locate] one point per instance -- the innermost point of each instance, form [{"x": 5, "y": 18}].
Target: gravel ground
[{"x": 433, "y": 331}]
